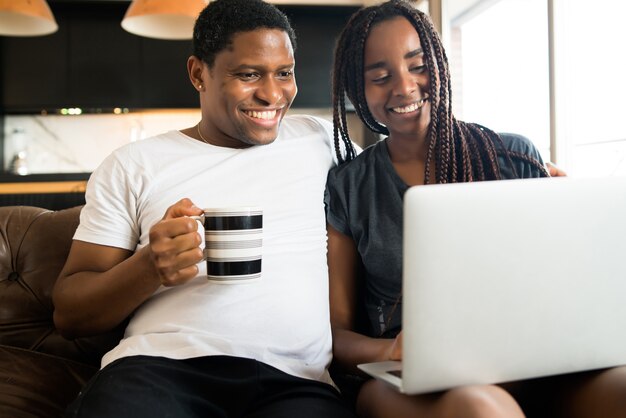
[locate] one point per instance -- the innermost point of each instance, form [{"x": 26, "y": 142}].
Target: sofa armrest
[{"x": 37, "y": 385}]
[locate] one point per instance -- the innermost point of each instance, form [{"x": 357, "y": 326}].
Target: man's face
[{"x": 249, "y": 89}]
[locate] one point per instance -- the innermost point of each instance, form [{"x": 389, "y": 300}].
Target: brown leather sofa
[{"x": 40, "y": 371}]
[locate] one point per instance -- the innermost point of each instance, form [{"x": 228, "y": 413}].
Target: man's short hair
[{"x": 222, "y": 19}]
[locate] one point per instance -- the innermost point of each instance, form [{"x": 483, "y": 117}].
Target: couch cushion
[
  {"x": 37, "y": 385},
  {"x": 34, "y": 244}
]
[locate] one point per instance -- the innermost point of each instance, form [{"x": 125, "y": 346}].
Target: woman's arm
[{"x": 349, "y": 347}]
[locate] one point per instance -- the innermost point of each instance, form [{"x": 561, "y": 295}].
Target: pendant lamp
[
  {"x": 163, "y": 19},
  {"x": 26, "y": 18}
]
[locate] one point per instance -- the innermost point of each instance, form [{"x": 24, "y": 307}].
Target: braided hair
[{"x": 463, "y": 151}]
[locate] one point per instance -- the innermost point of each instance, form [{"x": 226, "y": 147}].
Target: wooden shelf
[{"x": 43, "y": 187}]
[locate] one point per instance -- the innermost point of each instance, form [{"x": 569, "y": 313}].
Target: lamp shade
[
  {"x": 163, "y": 19},
  {"x": 26, "y": 18}
]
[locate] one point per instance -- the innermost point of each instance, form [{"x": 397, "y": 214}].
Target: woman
[{"x": 390, "y": 63}]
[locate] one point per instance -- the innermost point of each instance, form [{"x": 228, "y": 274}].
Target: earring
[{"x": 199, "y": 86}]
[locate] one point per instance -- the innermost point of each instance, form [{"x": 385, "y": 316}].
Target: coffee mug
[{"x": 233, "y": 239}]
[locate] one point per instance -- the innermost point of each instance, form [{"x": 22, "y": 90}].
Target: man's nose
[{"x": 270, "y": 91}]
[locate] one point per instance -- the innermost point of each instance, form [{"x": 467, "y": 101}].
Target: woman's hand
[{"x": 394, "y": 352}]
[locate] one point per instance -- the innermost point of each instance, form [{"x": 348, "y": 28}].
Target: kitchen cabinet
[
  {"x": 104, "y": 61},
  {"x": 92, "y": 63},
  {"x": 317, "y": 28},
  {"x": 34, "y": 70},
  {"x": 165, "y": 80}
]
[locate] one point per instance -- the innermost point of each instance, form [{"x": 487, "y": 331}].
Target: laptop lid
[{"x": 508, "y": 280}]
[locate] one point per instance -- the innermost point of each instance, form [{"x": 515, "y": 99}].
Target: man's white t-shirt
[{"x": 281, "y": 319}]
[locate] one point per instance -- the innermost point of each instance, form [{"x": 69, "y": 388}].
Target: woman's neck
[
  {"x": 408, "y": 147},
  {"x": 408, "y": 157}
]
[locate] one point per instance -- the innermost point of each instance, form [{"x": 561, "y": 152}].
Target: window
[
  {"x": 501, "y": 79},
  {"x": 500, "y": 62},
  {"x": 590, "y": 86}
]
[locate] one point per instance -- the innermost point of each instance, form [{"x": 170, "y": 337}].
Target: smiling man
[
  {"x": 247, "y": 90},
  {"x": 193, "y": 348}
]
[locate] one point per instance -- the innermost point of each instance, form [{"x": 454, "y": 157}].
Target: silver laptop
[{"x": 509, "y": 280}]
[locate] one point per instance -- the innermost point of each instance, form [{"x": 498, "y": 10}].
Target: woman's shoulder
[
  {"x": 363, "y": 162},
  {"x": 518, "y": 143},
  {"x": 526, "y": 157}
]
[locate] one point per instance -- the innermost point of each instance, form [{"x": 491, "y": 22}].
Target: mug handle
[{"x": 200, "y": 220}]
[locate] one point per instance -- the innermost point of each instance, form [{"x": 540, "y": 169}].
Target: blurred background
[{"x": 79, "y": 78}]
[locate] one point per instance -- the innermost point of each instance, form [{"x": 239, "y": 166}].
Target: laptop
[{"x": 509, "y": 280}]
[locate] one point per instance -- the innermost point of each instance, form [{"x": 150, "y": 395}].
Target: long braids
[
  {"x": 345, "y": 84},
  {"x": 462, "y": 152}
]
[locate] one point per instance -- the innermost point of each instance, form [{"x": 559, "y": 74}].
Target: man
[{"x": 193, "y": 348}]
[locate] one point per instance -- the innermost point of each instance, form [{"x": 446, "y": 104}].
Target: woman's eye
[
  {"x": 380, "y": 79},
  {"x": 418, "y": 69}
]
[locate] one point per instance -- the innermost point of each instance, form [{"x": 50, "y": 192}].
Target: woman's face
[{"x": 396, "y": 79}]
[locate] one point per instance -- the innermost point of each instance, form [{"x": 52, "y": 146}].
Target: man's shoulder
[
  {"x": 152, "y": 141},
  {"x": 305, "y": 125},
  {"x": 147, "y": 147},
  {"x": 140, "y": 156}
]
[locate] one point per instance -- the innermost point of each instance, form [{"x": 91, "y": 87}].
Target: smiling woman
[
  {"x": 391, "y": 64},
  {"x": 397, "y": 86}
]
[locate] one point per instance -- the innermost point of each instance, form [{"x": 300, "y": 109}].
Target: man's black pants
[{"x": 214, "y": 386}]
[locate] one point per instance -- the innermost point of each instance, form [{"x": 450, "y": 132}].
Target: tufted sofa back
[
  {"x": 40, "y": 371},
  {"x": 34, "y": 244}
]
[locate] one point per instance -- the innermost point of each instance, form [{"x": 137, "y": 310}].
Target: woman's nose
[{"x": 406, "y": 84}]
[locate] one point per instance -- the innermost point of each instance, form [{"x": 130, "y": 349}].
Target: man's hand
[
  {"x": 175, "y": 244},
  {"x": 555, "y": 171}
]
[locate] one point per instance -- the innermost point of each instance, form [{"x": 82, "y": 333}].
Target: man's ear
[{"x": 195, "y": 69}]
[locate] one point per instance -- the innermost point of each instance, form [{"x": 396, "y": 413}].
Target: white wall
[{"x": 78, "y": 144}]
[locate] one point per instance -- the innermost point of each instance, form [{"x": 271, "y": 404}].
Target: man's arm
[
  {"x": 100, "y": 286},
  {"x": 555, "y": 171}
]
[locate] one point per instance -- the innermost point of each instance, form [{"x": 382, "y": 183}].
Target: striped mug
[{"x": 233, "y": 239}]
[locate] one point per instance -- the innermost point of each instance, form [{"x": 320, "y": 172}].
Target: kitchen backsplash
[{"x": 77, "y": 144}]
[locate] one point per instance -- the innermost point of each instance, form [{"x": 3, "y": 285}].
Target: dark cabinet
[
  {"x": 164, "y": 72},
  {"x": 317, "y": 28},
  {"x": 104, "y": 68},
  {"x": 92, "y": 63},
  {"x": 34, "y": 70}
]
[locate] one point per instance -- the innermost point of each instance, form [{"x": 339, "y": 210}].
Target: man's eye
[
  {"x": 285, "y": 74},
  {"x": 248, "y": 76}
]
